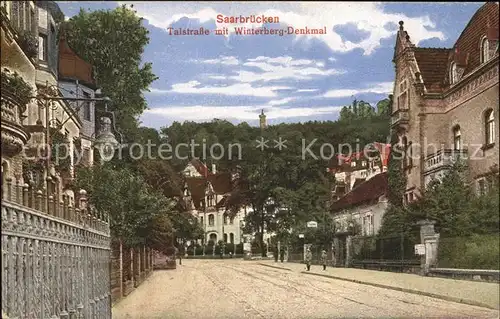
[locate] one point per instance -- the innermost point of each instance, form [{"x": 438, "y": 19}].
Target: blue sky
[{"x": 293, "y": 78}]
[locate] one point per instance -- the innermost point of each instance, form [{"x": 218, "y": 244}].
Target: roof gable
[{"x": 369, "y": 190}]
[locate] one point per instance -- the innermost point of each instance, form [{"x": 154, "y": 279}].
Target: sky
[{"x": 293, "y": 78}]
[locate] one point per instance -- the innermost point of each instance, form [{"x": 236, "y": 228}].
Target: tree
[
  {"x": 113, "y": 42},
  {"x": 455, "y": 206},
  {"x": 138, "y": 213}
]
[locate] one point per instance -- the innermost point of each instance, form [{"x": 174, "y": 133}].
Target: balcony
[
  {"x": 14, "y": 98},
  {"x": 438, "y": 163},
  {"x": 20, "y": 24},
  {"x": 400, "y": 118}
]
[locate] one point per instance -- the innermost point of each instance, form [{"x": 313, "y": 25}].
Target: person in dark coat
[
  {"x": 282, "y": 255},
  {"x": 308, "y": 258},
  {"x": 323, "y": 259},
  {"x": 276, "y": 253}
]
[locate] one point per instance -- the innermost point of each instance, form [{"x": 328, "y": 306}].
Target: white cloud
[
  {"x": 369, "y": 17},
  {"x": 282, "y": 101},
  {"x": 307, "y": 90},
  {"x": 378, "y": 88},
  {"x": 285, "y": 67},
  {"x": 225, "y": 60},
  {"x": 239, "y": 89},
  {"x": 243, "y": 113}
]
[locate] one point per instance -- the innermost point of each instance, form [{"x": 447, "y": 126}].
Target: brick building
[{"x": 446, "y": 103}]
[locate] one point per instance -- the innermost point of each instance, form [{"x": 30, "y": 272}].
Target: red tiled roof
[
  {"x": 341, "y": 162},
  {"x": 200, "y": 167},
  {"x": 469, "y": 41},
  {"x": 371, "y": 189},
  {"x": 433, "y": 64}
]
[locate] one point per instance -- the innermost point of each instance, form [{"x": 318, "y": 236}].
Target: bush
[{"x": 474, "y": 252}]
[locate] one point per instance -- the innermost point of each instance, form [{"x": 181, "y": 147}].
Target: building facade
[
  {"x": 30, "y": 66},
  {"x": 446, "y": 103},
  {"x": 76, "y": 80},
  {"x": 353, "y": 169},
  {"x": 205, "y": 192}
]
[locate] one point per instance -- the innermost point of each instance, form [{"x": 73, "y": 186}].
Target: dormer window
[
  {"x": 485, "y": 50},
  {"x": 453, "y": 73}
]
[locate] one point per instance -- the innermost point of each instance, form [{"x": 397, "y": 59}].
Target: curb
[
  {"x": 412, "y": 291},
  {"x": 275, "y": 267}
]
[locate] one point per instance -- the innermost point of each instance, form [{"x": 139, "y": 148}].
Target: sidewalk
[{"x": 481, "y": 294}]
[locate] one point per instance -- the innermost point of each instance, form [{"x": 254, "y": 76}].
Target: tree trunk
[{"x": 263, "y": 251}]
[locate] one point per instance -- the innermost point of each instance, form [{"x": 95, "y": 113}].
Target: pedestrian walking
[
  {"x": 276, "y": 253},
  {"x": 308, "y": 258},
  {"x": 282, "y": 254},
  {"x": 323, "y": 259}
]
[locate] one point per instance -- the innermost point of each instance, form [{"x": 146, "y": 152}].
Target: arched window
[
  {"x": 231, "y": 238},
  {"x": 211, "y": 220},
  {"x": 201, "y": 220},
  {"x": 225, "y": 238},
  {"x": 457, "y": 138},
  {"x": 231, "y": 220},
  {"x": 485, "y": 50},
  {"x": 453, "y": 73},
  {"x": 490, "y": 127},
  {"x": 225, "y": 218}
]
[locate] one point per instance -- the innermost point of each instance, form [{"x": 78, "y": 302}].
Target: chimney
[{"x": 214, "y": 171}]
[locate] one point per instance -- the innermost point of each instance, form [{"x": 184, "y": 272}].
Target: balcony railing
[
  {"x": 400, "y": 117},
  {"x": 438, "y": 163},
  {"x": 443, "y": 158}
]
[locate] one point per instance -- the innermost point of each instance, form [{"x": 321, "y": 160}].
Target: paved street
[{"x": 243, "y": 289}]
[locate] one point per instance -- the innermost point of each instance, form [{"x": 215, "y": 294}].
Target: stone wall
[{"x": 129, "y": 268}]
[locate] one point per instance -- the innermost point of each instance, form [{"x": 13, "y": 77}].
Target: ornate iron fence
[{"x": 55, "y": 258}]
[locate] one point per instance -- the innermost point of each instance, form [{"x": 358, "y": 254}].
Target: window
[
  {"x": 231, "y": 220},
  {"x": 86, "y": 156},
  {"x": 457, "y": 140},
  {"x": 211, "y": 220},
  {"x": 410, "y": 155},
  {"x": 410, "y": 197},
  {"x": 225, "y": 218},
  {"x": 481, "y": 187},
  {"x": 363, "y": 163},
  {"x": 42, "y": 47},
  {"x": 368, "y": 224},
  {"x": 353, "y": 164},
  {"x": 490, "y": 127},
  {"x": 453, "y": 73},
  {"x": 201, "y": 220},
  {"x": 485, "y": 50},
  {"x": 405, "y": 150},
  {"x": 86, "y": 107},
  {"x": 403, "y": 95},
  {"x": 225, "y": 238}
]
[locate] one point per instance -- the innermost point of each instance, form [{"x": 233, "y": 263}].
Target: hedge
[{"x": 474, "y": 252}]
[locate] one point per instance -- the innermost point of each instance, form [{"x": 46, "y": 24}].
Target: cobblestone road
[{"x": 205, "y": 289}]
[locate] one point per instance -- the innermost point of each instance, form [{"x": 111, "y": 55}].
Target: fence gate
[{"x": 55, "y": 261}]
